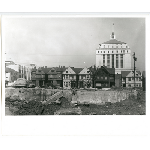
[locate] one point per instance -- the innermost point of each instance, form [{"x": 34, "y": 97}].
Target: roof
[
  {"x": 76, "y": 70},
  {"x": 125, "y": 73},
  {"x": 45, "y": 70},
  {"x": 40, "y": 71},
  {"x": 34, "y": 69},
  {"x": 62, "y": 69},
  {"x": 113, "y": 41},
  {"x": 9, "y": 70},
  {"x": 110, "y": 70}
]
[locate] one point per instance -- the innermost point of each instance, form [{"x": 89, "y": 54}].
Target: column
[{"x": 114, "y": 60}]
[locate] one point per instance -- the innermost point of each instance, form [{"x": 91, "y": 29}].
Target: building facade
[
  {"x": 71, "y": 77},
  {"x": 105, "y": 77},
  {"x": 114, "y": 54},
  {"x": 85, "y": 80},
  {"x": 128, "y": 78}
]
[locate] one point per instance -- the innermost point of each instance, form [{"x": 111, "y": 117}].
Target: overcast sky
[{"x": 53, "y": 41}]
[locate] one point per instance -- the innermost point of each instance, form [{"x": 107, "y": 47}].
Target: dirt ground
[{"x": 127, "y": 107}]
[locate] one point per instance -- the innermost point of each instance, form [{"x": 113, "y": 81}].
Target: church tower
[{"x": 114, "y": 54}]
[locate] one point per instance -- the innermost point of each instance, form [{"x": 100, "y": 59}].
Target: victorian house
[
  {"x": 71, "y": 77},
  {"x": 104, "y": 77},
  {"x": 128, "y": 78},
  {"x": 85, "y": 78}
]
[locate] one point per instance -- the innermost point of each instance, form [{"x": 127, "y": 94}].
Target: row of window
[
  {"x": 136, "y": 79},
  {"x": 113, "y": 51},
  {"x": 117, "y": 61},
  {"x": 74, "y": 77},
  {"x": 137, "y": 85},
  {"x": 115, "y": 46}
]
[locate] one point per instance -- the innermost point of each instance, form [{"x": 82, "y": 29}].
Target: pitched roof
[
  {"x": 40, "y": 71},
  {"x": 61, "y": 69},
  {"x": 45, "y": 70},
  {"x": 76, "y": 70},
  {"x": 125, "y": 73},
  {"x": 113, "y": 41},
  {"x": 110, "y": 70}
]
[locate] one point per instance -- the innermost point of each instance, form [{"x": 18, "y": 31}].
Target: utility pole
[{"x": 135, "y": 59}]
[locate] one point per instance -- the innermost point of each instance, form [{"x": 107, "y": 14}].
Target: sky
[{"x": 67, "y": 41}]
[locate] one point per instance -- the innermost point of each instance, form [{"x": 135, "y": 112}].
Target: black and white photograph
[{"x": 74, "y": 65}]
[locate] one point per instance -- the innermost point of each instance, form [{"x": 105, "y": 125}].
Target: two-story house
[
  {"x": 40, "y": 77},
  {"x": 105, "y": 77},
  {"x": 71, "y": 77},
  {"x": 128, "y": 78},
  {"x": 85, "y": 78}
]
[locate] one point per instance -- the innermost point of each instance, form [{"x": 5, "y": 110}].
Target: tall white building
[{"x": 114, "y": 54}]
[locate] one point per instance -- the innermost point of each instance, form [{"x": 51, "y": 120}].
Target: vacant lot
[{"x": 127, "y": 107}]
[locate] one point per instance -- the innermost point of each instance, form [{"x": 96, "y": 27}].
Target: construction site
[{"x": 41, "y": 101}]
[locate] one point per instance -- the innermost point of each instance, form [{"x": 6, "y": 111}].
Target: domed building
[{"x": 114, "y": 54}]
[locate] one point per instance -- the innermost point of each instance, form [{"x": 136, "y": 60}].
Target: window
[
  {"x": 98, "y": 51},
  {"x": 108, "y": 60},
  {"x": 66, "y": 84},
  {"x": 117, "y": 51},
  {"x": 104, "y": 51},
  {"x": 121, "y": 51},
  {"x": 87, "y": 76},
  {"x": 103, "y": 59},
  {"x": 108, "y": 51},
  {"x": 112, "y": 51},
  {"x": 66, "y": 71},
  {"x": 124, "y": 79},
  {"x": 129, "y": 79},
  {"x": 105, "y": 78},
  {"x": 129, "y": 85},
  {"x": 117, "y": 61},
  {"x": 52, "y": 70},
  {"x": 113, "y": 61},
  {"x": 66, "y": 76},
  {"x": 101, "y": 51},
  {"x": 127, "y": 51},
  {"x": 139, "y": 85},
  {"x": 121, "y": 60}
]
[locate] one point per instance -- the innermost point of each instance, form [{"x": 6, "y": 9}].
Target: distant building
[
  {"x": 128, "y": 78},
  {"x": 11, "y": 75},
  {"x": 114, "y": 54}
]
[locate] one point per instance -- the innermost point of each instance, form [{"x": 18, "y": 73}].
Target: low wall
[
  {"x": 29, "y": 93},
  {"x": 100, "y": 97}
]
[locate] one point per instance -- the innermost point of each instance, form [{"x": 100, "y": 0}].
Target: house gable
[
  {"x": 69, "y": 71},
  {"x": 52, "y": 71},
  {"x": 85, "y": 71},
  {"x": 131, "y": 74}
]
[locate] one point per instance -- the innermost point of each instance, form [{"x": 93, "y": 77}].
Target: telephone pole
[{"x": 135, "y": 59}]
